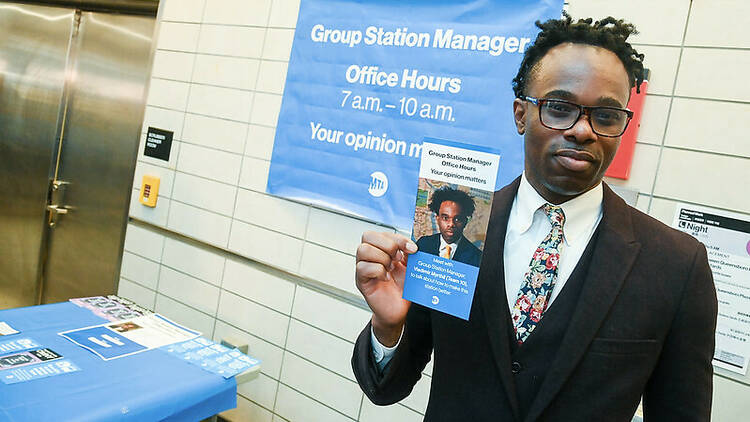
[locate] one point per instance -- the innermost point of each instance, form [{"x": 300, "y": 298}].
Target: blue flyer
[
  {"x": 212, "y": 357},
  {"x": 17, "y": 345},
  {"x": 104, "y": 342},
  {"x": 452, "y": 212},
  {"x": 42, "y": 370}
]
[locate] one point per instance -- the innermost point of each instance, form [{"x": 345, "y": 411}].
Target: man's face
[
  {"x": 562, "y": 164},
  {"x": 451, "y": 221}
]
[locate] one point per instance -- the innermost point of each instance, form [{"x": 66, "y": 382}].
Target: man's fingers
[
  {"x": 406, "y": 244},
  {"x": 390, "y": 243},
  {"x": 367, "y": 271},
  {"x": 370, "y": 253},
  {"x": 399, "y": 256}
]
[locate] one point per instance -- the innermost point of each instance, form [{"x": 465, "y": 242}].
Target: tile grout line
[
  {"x": 161, "y": 107},
  {"x": 669, "y": 111},
  {"x": 231, "y": 25},
  {"x": 326, "y": 405},
  {"x": 158, "y": 276},
  {"x": 231, "y": 224},
  {"x": 247, "y": 130},
  {"x": 220, "y": 295},
  {"x": 361, "y": 405},
  {"x": 231, "y": 56},
  {"x": 184, "y": 119},
  {"x": 227, "y": 87}
]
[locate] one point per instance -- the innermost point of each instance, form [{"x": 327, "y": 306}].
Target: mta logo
[
  {"x": 435, "y": 300},
  {"x": 378, "y": 184}
]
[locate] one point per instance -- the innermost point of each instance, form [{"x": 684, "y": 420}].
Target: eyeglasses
[
  {"x": 563, "y": 115},
  {"x": 461, "y": 219}
]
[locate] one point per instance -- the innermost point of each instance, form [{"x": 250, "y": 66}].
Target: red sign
[{"x": 620, "y": 167}]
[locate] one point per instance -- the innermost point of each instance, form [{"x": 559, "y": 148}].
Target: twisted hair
[
  {"x": 608, "y": 33},
  {"x": 449, "y": 194}
]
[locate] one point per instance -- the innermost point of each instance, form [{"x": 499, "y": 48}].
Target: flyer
[
  {"x": 30, "y": 357},
  {"x": 111, "y": 308},
  {"x": 212, "y": 357},
  {"x": 727, "y": 239},
  {"x": 6, "y": 330},
  {"x": 123, "y": 338},
  {"x": 452, "y": 212},
  {"x": 42, "y": 370},
  {"x": 32, "y": 364},
  {"x": 17, "y": 345}
]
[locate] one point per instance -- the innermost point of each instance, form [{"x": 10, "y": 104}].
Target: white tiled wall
[
  {"x": 303, "y": 336},
  {"x": 278, "y": 274}
]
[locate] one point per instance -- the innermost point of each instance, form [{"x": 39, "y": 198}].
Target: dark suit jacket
[
  {"x": 466, "y": 252},
  {"x": 644, "y": 325}
]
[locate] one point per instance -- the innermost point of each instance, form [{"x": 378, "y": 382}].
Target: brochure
[{"x": 454, "y": 199}]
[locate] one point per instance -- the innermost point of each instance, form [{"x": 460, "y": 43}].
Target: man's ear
[{"x": 519, "y": 115}]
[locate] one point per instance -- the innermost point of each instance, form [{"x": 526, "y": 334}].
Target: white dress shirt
[
  {"x": 527, "y": 227},
  {"x": 444, "y": 244}
]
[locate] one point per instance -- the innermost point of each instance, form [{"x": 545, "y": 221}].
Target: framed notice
[{"x": 727, "y": 239}]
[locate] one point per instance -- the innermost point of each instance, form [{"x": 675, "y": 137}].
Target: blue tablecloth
[{"x": 149, "y": 386}]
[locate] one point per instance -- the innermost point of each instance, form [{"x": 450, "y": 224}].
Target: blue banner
[{"x": 368, "y": 80}]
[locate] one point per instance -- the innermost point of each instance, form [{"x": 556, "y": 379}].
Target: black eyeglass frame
[
  {"x": 582, "y": 109},
  {"x": 456, "y": 220}
]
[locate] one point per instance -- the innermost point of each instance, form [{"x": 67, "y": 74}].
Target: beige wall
[{"x": 221, "y": 256}]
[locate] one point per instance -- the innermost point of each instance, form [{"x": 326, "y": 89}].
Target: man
[
  {"x": 452, "y": 208},
  {"x": 583, "y": 304}
]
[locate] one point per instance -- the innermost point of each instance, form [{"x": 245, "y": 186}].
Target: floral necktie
[{"x": 540, "y": 278}]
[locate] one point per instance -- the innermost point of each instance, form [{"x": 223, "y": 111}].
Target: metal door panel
[
  {"x": 102, "y": 131},
  {"x": 34, "y": 44}
]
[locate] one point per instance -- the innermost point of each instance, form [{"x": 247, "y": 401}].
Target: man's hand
[{"x": 381, "y": 266}]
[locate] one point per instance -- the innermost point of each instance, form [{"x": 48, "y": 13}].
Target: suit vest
[{"x": 531, "y": 361}]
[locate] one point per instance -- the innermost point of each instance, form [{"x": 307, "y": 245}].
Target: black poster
[{"x": 158, "y": 143}]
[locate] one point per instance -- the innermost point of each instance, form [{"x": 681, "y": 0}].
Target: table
[{"x": 149, "y": 386}]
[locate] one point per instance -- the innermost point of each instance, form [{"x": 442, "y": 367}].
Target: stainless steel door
[
  {"x": 34, "y": 45},
  {"x": 72, "y": 95},
  {"x": 111, "y": 67}
]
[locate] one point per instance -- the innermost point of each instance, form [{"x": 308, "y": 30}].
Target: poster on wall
[
  {"x": 727, "y": 239},
  {"x": 368, "y": 80}
]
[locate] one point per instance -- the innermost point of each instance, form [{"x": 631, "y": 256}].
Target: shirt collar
[
  {"x": 443, "y": 244},
  {"x": 581, "y": 212}
]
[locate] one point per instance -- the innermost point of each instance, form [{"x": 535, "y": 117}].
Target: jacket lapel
[
  {"x": 460, "y": 249},
  {"x": 491, "y": 289},
  {"x": 613, "y": 257}
]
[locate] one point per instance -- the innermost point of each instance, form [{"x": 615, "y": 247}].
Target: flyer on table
[
  {"x": 727, "y": 239},
  {"x": 452, "y": 212},
  {"x": 126, "y": 337}
]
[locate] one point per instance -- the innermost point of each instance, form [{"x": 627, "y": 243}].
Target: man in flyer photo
[
  {"x": 453, "y": 209},
  {"x": 584, "y": 306}
]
